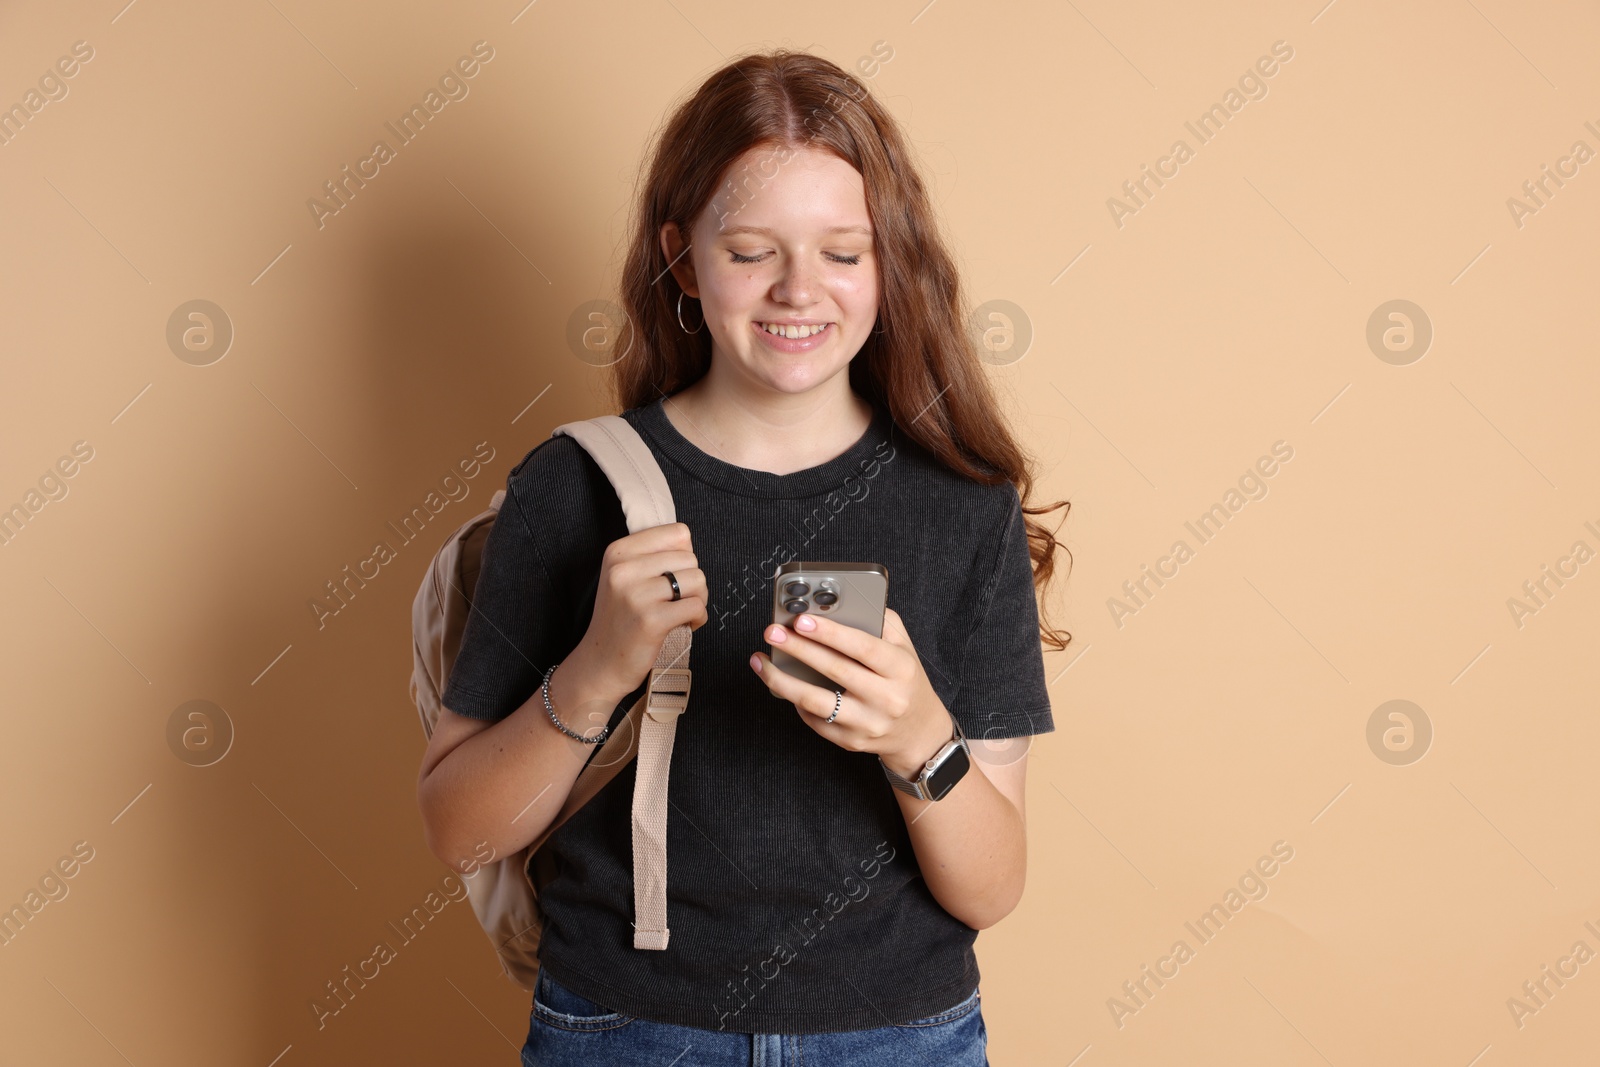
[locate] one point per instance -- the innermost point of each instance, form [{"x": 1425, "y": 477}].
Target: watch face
[{"x": 948, "y": 773}]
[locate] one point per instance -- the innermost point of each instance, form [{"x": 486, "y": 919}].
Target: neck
[{"x": 775, "y": 432}]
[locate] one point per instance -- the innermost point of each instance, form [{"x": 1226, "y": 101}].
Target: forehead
[{"x": 776, "y": 192}]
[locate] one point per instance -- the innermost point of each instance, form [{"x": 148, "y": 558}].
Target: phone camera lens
[
  {"x": 797, "y": 588},
  {"x": 796, "y": 606},
  {"x": 826, "y": 597}
]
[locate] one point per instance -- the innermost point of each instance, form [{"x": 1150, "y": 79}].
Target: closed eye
[{"x": 848, "y": 260}]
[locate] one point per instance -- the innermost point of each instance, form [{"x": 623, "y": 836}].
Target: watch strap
[{"x": 902, "y": 783}]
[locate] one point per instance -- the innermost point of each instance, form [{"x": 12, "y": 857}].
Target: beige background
[{"x": 1229, "y": 313}]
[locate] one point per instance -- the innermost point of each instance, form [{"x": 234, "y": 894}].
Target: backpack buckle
[{"x": 668, "y": 693}]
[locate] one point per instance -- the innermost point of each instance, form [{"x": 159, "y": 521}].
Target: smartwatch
[{"x": 940, "y": 774}]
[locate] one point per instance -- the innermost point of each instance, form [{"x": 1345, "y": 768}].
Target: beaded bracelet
[{"x": 561, "y": 725}]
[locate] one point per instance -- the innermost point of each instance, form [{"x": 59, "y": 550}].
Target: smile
[{"x": 780, "y": 330}]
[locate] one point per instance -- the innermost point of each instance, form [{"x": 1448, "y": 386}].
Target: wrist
[
  {"x": 582, "y": 696},
  {"x": 933, "y": 736}
]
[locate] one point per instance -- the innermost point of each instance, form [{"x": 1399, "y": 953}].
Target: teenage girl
[{"x": 801, "y": 370}]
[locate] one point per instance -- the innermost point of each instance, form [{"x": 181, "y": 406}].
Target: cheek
[
  {"x": 857, "y": 295},
  {"x": 733, "y": 293},
  {"x": 859, "y": 302}
]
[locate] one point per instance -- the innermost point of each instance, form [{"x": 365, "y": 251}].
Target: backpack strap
[
  {"x": 646, "y": 502},
  {"x": 624, "y": 457}
]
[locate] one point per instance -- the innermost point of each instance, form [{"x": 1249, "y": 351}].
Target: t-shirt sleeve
[
  {"x": 510, "y": 636},
  {"x": 1002, "y": 691}
]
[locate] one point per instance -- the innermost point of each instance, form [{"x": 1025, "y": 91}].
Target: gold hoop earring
[{"x": 681, "y": 326}]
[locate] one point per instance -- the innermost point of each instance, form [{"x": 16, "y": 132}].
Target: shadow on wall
[{"x": 322, "y": 781}]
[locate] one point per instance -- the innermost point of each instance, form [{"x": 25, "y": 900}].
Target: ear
[{"x": 681, "y": 262}]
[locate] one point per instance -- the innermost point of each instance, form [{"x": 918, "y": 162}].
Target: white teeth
[{"x": 792, "y": 331}]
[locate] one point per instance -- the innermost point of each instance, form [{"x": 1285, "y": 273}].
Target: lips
[{"x": 793, "y": 330}]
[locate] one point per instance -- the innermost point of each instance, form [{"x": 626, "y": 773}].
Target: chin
[{"x": 805, "y": 378}]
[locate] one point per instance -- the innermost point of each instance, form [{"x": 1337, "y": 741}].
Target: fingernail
[
  {"x": 777, "y": 635},
  {"x": 805, "y": 622},
  {"x": 755, "y": 662}
]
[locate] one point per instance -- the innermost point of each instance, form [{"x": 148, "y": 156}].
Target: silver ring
[
  {"x": 838, "y": 698},
  {"x": 677, "y": 593}
]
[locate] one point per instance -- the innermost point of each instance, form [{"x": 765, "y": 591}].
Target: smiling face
[{"x": 783, "y": 263}]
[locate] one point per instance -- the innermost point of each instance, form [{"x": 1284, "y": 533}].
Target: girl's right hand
[{"x": 634, "y": 609}]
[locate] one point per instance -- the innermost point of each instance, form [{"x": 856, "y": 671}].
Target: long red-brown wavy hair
[{"x": 923, "y": 367}]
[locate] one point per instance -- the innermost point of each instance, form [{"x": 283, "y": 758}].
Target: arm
[
  {"x": 489, "y": 786},
  {"x": 972, "y": 850},
  {"x": 972, "y": 846},
  {"x": 487, "y": 789}
]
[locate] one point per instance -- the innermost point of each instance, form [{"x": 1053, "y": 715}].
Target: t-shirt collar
[{"x": 651, "y": 420}]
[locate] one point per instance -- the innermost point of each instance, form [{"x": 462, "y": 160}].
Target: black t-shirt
[{"x": 793, "y": 894}]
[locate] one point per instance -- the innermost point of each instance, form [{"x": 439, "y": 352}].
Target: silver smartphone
[{"x": 853, "y": 594}]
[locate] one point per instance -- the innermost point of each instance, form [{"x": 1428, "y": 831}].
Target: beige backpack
[{"x": 504, "y": 893}]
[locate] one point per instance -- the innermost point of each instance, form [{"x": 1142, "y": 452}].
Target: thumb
[{"x": 894, "y": 629}]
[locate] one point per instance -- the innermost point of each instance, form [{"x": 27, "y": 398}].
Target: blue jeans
[{"x": 566, "y": 1030}]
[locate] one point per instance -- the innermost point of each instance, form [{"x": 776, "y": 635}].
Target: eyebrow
[{"x": 767, "y": 232}]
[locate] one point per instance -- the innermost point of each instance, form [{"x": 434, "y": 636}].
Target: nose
[{"x": 799, "y": 285}]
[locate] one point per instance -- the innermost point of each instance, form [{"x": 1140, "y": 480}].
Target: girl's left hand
[{"x": 889, "y": 706}]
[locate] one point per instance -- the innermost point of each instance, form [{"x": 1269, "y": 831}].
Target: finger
[
  {"x": 691, "y": 583},
  {"x": 646, "y": 587},
  {"x": 813, "y": 700},
  {"x": 842, "y": 669},
  {"x": 666, "y": 537},
  {"x": 693, "y": 586},
  {"x": 689, "y": 609},
  {"x": 638, "y": 568},
  {"x": 860, "y": 646},
  {"x": 690, "y": 612},
  {"x": 894, "y": 629}
]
